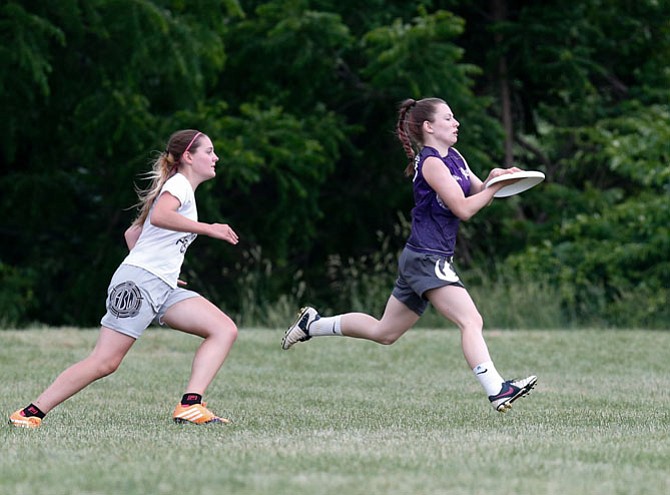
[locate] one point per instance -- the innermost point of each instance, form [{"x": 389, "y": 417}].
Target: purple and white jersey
[{"x": 434, "y": 226}]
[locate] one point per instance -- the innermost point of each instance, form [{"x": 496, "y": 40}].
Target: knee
[
  {"x": 474, "y": 324},
  {"x": 106, "y": 367},
  {"x": 227, "y": 330},
  {"x": 387, "y": 340},
  {"x": 232, "y": 331}
]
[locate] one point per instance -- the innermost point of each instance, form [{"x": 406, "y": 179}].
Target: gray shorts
[
  {"x": 419, "y": 273},
  {"x": 137, "y": 298}
]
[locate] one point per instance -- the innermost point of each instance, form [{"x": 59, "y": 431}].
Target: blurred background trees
[{"x": 300, "y": 99}]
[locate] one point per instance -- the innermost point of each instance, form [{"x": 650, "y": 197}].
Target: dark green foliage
[{"x": 300, "y": 100}]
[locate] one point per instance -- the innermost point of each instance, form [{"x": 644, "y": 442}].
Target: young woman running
[
  {"x": 446, "y": 191},
  {"x": 144, "y": 288}
]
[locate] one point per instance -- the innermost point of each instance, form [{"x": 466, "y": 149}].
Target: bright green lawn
[{"x": 345, "y": 417}]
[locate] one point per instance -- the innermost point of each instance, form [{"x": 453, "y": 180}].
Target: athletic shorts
[
  {"x": 137, "y": 298},
  {"x": 419, "y": 273}
]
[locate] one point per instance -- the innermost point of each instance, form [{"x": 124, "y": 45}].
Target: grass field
[{"x": 339, "y": 416}]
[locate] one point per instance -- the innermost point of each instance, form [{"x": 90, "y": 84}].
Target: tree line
[{"x": 300, "y": 99}]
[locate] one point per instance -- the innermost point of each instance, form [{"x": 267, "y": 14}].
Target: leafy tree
[
  {"x": 87, "y": 88},
  {"x": 357, "y": 76},
  {"x": 300, "y": 98},
  {"x": 591, "y": 87}
]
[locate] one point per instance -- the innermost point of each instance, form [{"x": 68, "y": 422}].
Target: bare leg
[
  {"x": 455, "y": 304},
  {"x": 105, "y": 358},
  {"x": 395, "y": 321},
  {"x": 200, "y": 317}
]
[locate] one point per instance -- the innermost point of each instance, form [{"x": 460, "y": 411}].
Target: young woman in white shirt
[{"x": 146, "y": 289}]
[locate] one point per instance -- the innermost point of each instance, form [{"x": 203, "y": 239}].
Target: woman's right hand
[{"x": 131, "y": 235}]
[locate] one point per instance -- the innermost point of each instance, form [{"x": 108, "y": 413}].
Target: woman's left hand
[{"x": 224, "y": 232}]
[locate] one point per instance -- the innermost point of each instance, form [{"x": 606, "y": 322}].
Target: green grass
[{"x": 339, "y": 416}]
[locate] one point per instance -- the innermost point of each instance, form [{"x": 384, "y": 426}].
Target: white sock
[
  {"x": 330, "y": 325},
  {"x": 489, "y": 377}
]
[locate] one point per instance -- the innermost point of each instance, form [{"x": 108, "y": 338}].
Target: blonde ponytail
[{"x": 165, "y": 166}]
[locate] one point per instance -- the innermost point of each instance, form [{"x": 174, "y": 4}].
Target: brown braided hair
[
  {"x": 164, "y": 167},
  {"x": 411, "y": 116}
]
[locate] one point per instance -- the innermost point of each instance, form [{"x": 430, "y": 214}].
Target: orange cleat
[
  {"x": 197, "y": 414},
  {"x": 19, "y": 420}
]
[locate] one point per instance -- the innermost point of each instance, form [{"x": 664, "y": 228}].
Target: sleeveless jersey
[{"x": 434, "y": 226}]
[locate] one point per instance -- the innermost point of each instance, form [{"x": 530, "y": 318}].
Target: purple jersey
[{"x": 434, "y": 226}]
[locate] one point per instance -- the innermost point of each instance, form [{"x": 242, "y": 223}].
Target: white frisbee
[{"x": 521, "y": 181}]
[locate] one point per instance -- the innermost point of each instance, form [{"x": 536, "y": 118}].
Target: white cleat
[
  {"x": 511, "y": 391},
  {"x": 299, "y": 329}
]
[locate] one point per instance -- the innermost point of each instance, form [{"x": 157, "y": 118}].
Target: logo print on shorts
[
  {"x": 447, "y": 273},
  {"x": 125, "y": 300}
]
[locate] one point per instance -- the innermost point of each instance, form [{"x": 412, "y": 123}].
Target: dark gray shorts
[
  {"x": 419, "y": 273},
  {"x": 137, "y": 298}
]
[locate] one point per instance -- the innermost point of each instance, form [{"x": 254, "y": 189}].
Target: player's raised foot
[
  {"x": 511, "y": 391},
  {"x": 299, "y": 329},
  {"x": 19, "y": 420},
  {"x": 197, "y": 414}
]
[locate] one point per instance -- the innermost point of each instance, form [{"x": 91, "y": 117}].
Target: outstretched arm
[
  {"x": 446, "y": 187},
  {"x": 464, "y": 207},
  {"x": 165, "y": 216},
  {"x": 477, "y": 185}
]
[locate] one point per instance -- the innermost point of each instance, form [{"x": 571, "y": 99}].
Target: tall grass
[
  {"x": 364, "y": 284},
  {"x": 339, "y": 416},
  {"x": 507, "y": 297}
]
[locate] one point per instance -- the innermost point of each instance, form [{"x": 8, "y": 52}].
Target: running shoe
[
  {"x": 511, "y": 391},
  {"x": 197, "y": 414},
  {"x": 20, "y": 420},
  {"x": 299, "y": 330}
]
